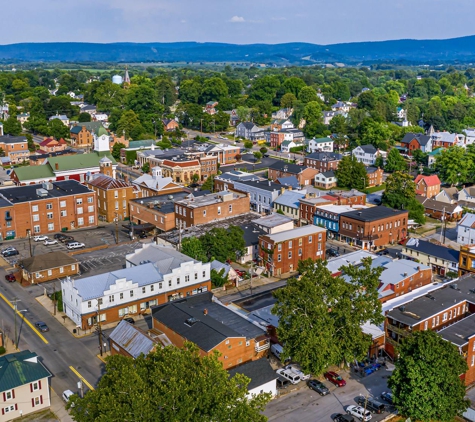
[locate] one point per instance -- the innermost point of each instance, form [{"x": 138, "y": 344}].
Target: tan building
[
  {"x": 375, "y": 176},
  {"x": 24, "y": 385},
  {"x": 155, "y": 184},
  {"x": 281, "y": 252},
  {"x": 304, "y": 175},
  {"x": 49, "y": 266},
  {"x": 15, "y": 148},
  {"x": 52, "y": 145},
  {"x": 82, "y": 134},
  {"x": 207, "y": 208},
  {"x": 427, "y": 186}
]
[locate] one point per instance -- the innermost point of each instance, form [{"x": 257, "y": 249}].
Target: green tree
[
  {"x": 214, "y": 89},
  {"x": 32, "y": 147},
  {"x": 248, "y": 144},
  {"x": 257, "y": 155},
  {"x": 218, "y": 278},
  {"x": 116, "y": 150},
  {"x": 222, "y": 244},
  {"x": 263, "y": 150},
  {"x": 420, "y": 157},
  {"x": 190, "y": 91},
  {"x": 316, "y": 306},
  {"x": 84, "y": 117},
  {"x": 453, "y": 166},
  {"x": 379, "y": 162},
  {"x": 243, "y": 113},
  {"x": 208, "y": 184},
  {"x": 288, "y": 100},
  {"x": 12, "y": 126},
  {"x": 312, "y": 112},
  {"x": 170, "y": 384},
  {"x": 146, "y": 168},
  {"x": 192, "y": 247},
  {"x": 109, "y": 96},
  {"x": 130, "y": 125},
  {"x": 57, "y": 129},
  {"x": 351, "y": 174},
  {"x": 395, "y": 161},
  {"x": 438, "y": 395},
  {"x": 293, "y": 85},
  {"x": 307, "y": 94}
]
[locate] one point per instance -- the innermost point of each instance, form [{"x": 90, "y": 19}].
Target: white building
[
  {"x": 320, "y": 145},
  {"x": 466, "y": 230},
  {"x": 367, "y": 154},
  {"x": 153, "y": 275}
]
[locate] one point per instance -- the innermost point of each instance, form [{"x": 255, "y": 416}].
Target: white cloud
[{"x": 237, "y": 19}]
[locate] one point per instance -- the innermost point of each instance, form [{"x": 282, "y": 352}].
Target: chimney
[
  {"x": 282, "y": 190},
  {"x": 205, "y": 311},
  {"x": 56, "y": 166}
]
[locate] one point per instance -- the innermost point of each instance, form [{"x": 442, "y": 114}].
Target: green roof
[
  {"x": 17, "y": 369},
  {"x": 436, "y": 151},
  {"x": 318, "y": 140},
  {"x": 34, "y": 172},
  {"x": 90, "y": 126},
  {"x": 141, "y": 144},
  {"x": 101, "y": 131},
  {"x": 78, "y": 161}
]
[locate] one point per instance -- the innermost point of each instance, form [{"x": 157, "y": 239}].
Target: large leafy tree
[
  {"x": 12, "y": 126},
  {"x": 320, "y": 316},
  {"x": 453, "y": 166},
  {"x": 129, "y": 124},
  {"x": 351, "y": 173},
  {"x": 395, "y": 161},
  {"x": 214, "y": 89},
  {"x": 222, "y": 244},
  {"x": 426, "y": 382},
  {"x": 192, "y": 247},
  {"x": 170, "y": 384},
  {"x": 57, "y": 129}
]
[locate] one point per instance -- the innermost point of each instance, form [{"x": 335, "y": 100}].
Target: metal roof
[
  {"x": 294, "y": 233},
  {"x": 132, "y": 339},
  {"x": 432, "y": 249}
]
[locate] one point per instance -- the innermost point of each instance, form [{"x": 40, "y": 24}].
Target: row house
[
  {"x": 226, "y": 180},
  {"x": 204, "y": 209},
  {"x": 466, "y": 230},
  {"x": 427, "y": 186},
  {"x": 448, "y": 195},
  {"x": 281, "y": 252},
  {"x": 15, "y": 148},
  {"x": 304, "y": 175},
  {"x": 153, "y": 275},
  {"x": 309, "y": 204},
  {"x": 448, "y": 309},
  {"x": 466, "y": 263},
  {"x": 44, "y": 209},
  {"x": 416, "y": 141},
  {"x": 320, "y": 145},
  {"x": 262, "y": 193},
  {"x": 328, "y": 216},
  {"x": 212, "y": 327},
  {"x": 289, "y": 204},
  {"x": 367, "y": 154},
  {"x": 375, "y": 176},
  {"x": 374, "y": 227},
  {"x": 322, "y": 161},
  {"x": 446, "y": 139},
  {"x": 440, "y": 210},
  {"x": 170, "y": 125}
]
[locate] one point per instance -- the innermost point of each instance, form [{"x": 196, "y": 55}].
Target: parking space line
[{"x": 81, "y": 378}]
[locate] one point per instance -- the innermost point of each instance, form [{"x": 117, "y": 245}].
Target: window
[
  {"x": 444, "y": 317},
  {"x": 50, "y": 227},
  {"x": 63, "y": 213},
  {"x": 219, "y": 210},
  {"x": 80, "y": 221},
  {"x": 50, "y": 272},
  {"x": 310, "y": 239},
  {"x": 169, "y": 283},
  {"x": 116, "y": 194},
  {"x": 230, "y": 208},
  {"x": 9, "y": 395},
  {"x": 49, "y": 215},
  {"x": 160, "y": 285},
  {"x": 73, "y": 267},
  {"x": 196, "y": 276},
  {"x": 90, "y": 199},
  {"x": 37, "y": 401},
  {"x": 204, "y": 274},
  {"x": 300, "y": 251},
  {"x": 89, "y": 304},
  {"x": 10, "y": 408},
  {"x": 178, "y": 280},
  {"x": 290, "y": 243},
  {"x": 300, "y": 242},
  {"x": 143, "y": 289},
  {"x": 79, "y": 201},
  {"x": 433, "y": 323},
  {"x": 204, "y": 213},
  {"x": 473, "y": 360},
  {"x": 36, "y": 229},
  {"x": 131, "y": 293},
  {"x": 121, "y": 296},
  {"x": 91, "y": 219},
  {"x": 425, "y": 325},
  {"x": 187, "y": 278},
  {"x": 152, "y": 288},
  {"x": 90, "y": 208},
  {"x": 290, "y": 254},
  {"x": 49, "y": 206},
  {"x": 79, "y": 210},
  {"x": 279, "y": 247},
  {"x": 62, "y": 204},
  {"x": 34, "y": 208},
  {"x": 36, "y": 217},
  {"x": 111, "y": 298}
]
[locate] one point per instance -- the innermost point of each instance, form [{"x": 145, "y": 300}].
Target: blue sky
[{"x": 234, "y": 21}]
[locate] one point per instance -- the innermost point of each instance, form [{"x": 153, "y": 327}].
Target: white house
[
  {"x": 153, "y": 275},
  {"x": 263, "y": 377},
  {"x": 466, "y": 230},
  {"x": 325, "y": 180},
  {"x": 320, "y": 145},
  {"x": 62, "y": 117},
  {"x": 367, "y": 154},
  {"x": 286, "y": 145}
]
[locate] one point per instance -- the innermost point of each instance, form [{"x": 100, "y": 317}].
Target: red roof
[{"x": 429, "y": 180}]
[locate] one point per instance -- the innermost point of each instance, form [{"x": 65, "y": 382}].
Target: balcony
[
  {"x": 262, "y": 345},
  {"x": 392, "y": 342},
  {"x": 397, "y": 330}
]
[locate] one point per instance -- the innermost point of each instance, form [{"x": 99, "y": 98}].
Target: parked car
[
  {"x": 289, "y": 375},
  {"x": 10, "y": 252},
  {"x": 41, "y": 326},
  {"x": 40, "y": 238},
  {"x": 63, "y": 238},
  {"x": 334, "y": 378},
  {"x": 318, "y": 386},
  {"x": 387, "y": 397},
  {"x": 340, "y": 417},
  {"x": 10, "y": 278},
  {"x": 143, "y": 235},
  {"x": 296, "y": 369},
  {"x": 359, "y": 412},
  {"x": 332, "y": 252},
  {"x": 48, "y": 242},
  {"x": 371, "y": 404},
  {"x": 10, "y": 248},
  {"x": 75, "y": 245},
  {"x": 67, "y": 395}
]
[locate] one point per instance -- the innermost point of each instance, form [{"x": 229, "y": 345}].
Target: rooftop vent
[
  {"x": 42, "y": 193},
  {"x": 191, "y": 321}
]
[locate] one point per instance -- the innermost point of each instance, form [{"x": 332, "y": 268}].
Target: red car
[
  {"x": 10, "y": 278},
  {"x": 334, "y": 378}
]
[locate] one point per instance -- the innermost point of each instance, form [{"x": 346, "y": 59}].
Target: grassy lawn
[
  {"x": 376, "y": 188},
  {"x": 44, "y": 416}
]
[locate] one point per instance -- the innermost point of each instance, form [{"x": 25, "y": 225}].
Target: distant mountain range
[{"x": 417, "y": 51}]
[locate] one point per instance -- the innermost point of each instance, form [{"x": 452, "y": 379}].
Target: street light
[
  {"x": 28, "y": 232},
  {"x": 15, "y": 312}
]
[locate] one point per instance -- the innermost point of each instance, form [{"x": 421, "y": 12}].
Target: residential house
[
  {"x": 326, "y": 180},
  {"x": 447, "y": 139},
  {"x": 432, "y": 157},
  {"x": 226, "y": 154},
  {"x": 427, "y": 186},
  {"x": 416, "y": 141},
  {"x": 233, "y": 117},
  {"x": 447, "y": 309},
  {"x": 447, "y": 195},
  {"x": 61, "y": 117},
  {"x": 289, "y": 181},
  {"x": 249, "y": 131},
  {"x": 441, "y": 259},
  {"x": 45, "y": 209},
  {"x": 23, "y": 117},
  {"x": 263, "y": 378},
  {"x": 210, "y": 107},
  {"x": 328, "y": 216},
  {"x": 367, "y": 154},
  {"x": 304, "y": 175},
  {"x": 15, "y": 148},
  {"x": 89, "y": 109},
  {"x": 154, "y": 275},
  {"x": 469, "y": 136},
  {"x": 24, "y": 385},
  {"x": 322, "y": 161},
  {"x": 281, "y": 252},
  {"x": 101, "y": 117},
  {"x": 344, "y": 106},
  {"x": 286, "y": 146},
  {"x": 466, "y": 197},
  {"x": 466, "y": 230},
  {"x": 375, "y": 176},
  {"x": 374, "y": 227},
  {"x": 319, "y": 145},
  {"x": 289, "y": 204},
  {"x": 82, "y": 134},
  {"x": 329, "y": 115},
  {"x": 225, "y": 181},
  {"x": 170, "y": 125},
  {"x": 440, "y": 210},
  {"x": 47, "y": 267},
  {"x": 251, "y": 243},
  {"x": 130, "y": 341},
  {"x": 225, "y": 270},
  {"x": 274, "y": 223},
  {"x": 282, "y": 114},
  {"x": 309, "y": 204},
  {"x": 262, "y": 193},
  {"x": 52, "y": 145},
  {"x": 215, "y": 206},
  {"x": 280, "y": 124},
  {"x": 156, "y": 184},
  {"x": 278, "y": 137},
  {"x": 212, "y": 327},
  {"x": 466, "y": 263}
]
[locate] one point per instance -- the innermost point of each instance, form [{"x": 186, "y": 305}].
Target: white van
[
  {"x": 289, "y": 375},
  {"x": 276, "y": 350}
]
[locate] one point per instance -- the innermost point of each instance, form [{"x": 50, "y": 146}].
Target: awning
[{"x": 139, "y": 227}]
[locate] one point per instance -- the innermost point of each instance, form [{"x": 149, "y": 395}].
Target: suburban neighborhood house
[
  {"x": 211, "y": 326},
  {"x": 466, "y": 230},
  {"x": 367, "y": 154},
  {"x": 24, "y": 385},
  {"x": 15, "y": 148},
  {"x": 427, "y": 186},
  {"x": 133, "y": 290}
]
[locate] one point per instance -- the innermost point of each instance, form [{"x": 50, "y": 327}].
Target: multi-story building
[
  {"x": 367, "y": 154},
  {"x": 167, "y": 275},
  {"x": 374, "y": 227},
  {"x": 15, "y": 148},
  {"x": 155, "y": 184},
  {"x": 281, "y": 252},
  {"x": 279, "y": 124},
  {"x": 427, "y": 186},
  {"x": 52, "y": 145},
  {"x": 466, "y": 263},
  {"x": 207, "y": 208},
  {"x": 351, "y": 197},
  {"x": 212, "y": 327},
  {"x": 308, "y": 206},
  {"x": 249, "y": 130},
  {"x": 44, "y": 209},
  {"x": 446, "y": 139},
  {"x": 466, "y": 230},
  {"x": 24, "y": 385},
  {"x": 320, "y": 145},
  {"x": 278, "y": 137},
  {"x": 328, "y": 216},
  {"x": 323, "y": 161},
  {"x": 414, "y": 141},
  {"x": 225, "y": 154},
  {"x": 226, "y": 181},
  {"x": 262, "y": 193},
  {"x": 47, "y": 267},
  {"x": 326, "y": 180},
  {"x": 82, "y": 134},
  {"x": 375, "y": 176},
  {"x": 289, "y": 204},
  {"x": 304, "y": 175}
]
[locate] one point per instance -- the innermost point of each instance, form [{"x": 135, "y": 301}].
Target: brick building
[
  {"x": 308, "y": 207},
  {"x": 130, "y": 341},
  {"x": 82, "y": 134},
  {"x": 207, "y": 208},
  {"x": 47, "y": 267},
  {"x": 155, "y": 184},
  {"x": 281, "y": 252},
  {"x": 52, "y": 145},
  {"x": 212, "y": 327},
  {"x": 448, "y": 310},
  {"x": 439, "y": 209},
  {"x": 373, "y": 227},
  {"x": 322, "y": 161},
  {"x": 375, "y": 176},
  {"x": 304, "y": 175},
  {"x": 226, "y": 180},
  {"x": 44, "y": 209},
  {"x": 225, "y": 154},
  {"x": 427, "y": 186},
  {"x": 15, "y": 148}
]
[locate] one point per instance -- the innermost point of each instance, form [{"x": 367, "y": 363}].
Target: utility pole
[
  {"x": 99, "y": 329},
  {"x": 445, "y": 225},
  {"x": 15, "y": 301},
  {"x": 179, "y": 236},
  {"x": 116, "y": 228},
  {"x": 442, "y": 228},
  {"x": 54, "y": 298},
  {"x": 201, "y": 123},
  {"x": 28, "y": 231}
]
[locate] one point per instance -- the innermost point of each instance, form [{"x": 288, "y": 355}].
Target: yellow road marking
[
  {"x": 81, "y": 378},
  {"x": 24, "y": 319}
]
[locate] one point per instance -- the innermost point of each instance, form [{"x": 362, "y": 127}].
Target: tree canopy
[
  {"x": 395, "y": 161},
  {"x": 351, "y": 173}
]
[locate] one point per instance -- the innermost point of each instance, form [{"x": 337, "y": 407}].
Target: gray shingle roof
[
  {"x": 324, "y": 156},
  {"x": 259, "y": 371},
  {"x": 460, "y": 332},
  {"x": 373, "y": 213},
  {"x": 432, "y": 249},
  {"x": 368, "y": 149}
]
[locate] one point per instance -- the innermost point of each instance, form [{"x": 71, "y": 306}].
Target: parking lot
[{"x": 305, "y": 405}]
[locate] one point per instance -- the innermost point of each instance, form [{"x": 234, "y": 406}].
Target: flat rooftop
[
  {"x": 210, "y": 199},
  {"x": 273, "y": 220},
  {"x": 373, "y": 213},
  {"x": 339, "y": 209},
  {"x": 460, "y": 332}
]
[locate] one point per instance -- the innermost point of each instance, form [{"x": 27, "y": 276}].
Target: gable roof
[
  {"x": 248, "y": 125},
  {"x": 78, "y": 161},
  {"x": 132, "y": 339},
  {"x": 429, "y": 180},
  {"x": 17, "y": 369},
  {"x": 102, "y": 181},
  {"x": 419, "y": 137},
  {"x": 468, "y": 220},
  {"x": 368, "y": 149},
  {"x": 47, "y": 261},
  {"x": 289, "y": 181},
  {"x": 8, "y": 139},
  {"x": 433, "y": 204},
  {"x": 328, "y": 174},
  {"x": 90, "y": 126},
  {"x": 42, "y": 172},
  {"x": 290, "y": 198},
  {"x": 324, "y": 156},
  {"x": 288, "y": 167},
  {"x": 259, "y": 371},
  {"x": 432, "y": 249}
]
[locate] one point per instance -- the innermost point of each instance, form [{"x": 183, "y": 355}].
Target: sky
[{"x": 234, "y": 21}]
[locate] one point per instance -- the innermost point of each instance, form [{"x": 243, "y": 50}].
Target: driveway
[{"x": 375, "y": 198}]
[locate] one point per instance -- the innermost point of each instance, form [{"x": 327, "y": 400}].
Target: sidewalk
[{"x": 58, "y": 407}]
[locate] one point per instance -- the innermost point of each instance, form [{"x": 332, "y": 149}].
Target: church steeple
[{"x": 126, "y": 77}]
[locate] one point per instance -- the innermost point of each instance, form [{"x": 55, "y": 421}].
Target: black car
[
  {"x": 343, "y": 418},
  {"x": 11, "y": 252},
  {"x": 63, "y": 238},
  {"x": 41, "y": 326},
  {"x": 333, "y": 252},
  {"x": 318, "y": 386},
  {"x": 371, "y": 404},
  {"x": 143, "y": 235},
  {"x": 387, "y": 397}
]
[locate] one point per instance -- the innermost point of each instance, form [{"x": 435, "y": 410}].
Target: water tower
[{"x": 117, "y": 79}]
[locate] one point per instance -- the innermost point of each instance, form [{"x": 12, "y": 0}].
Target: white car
[
  {"x": 289, "y": 375},
  {"x": 40, "y": 238},
  {"x": 359, "y": 412},
  {"x": 67, "y": 395},
  {"x": 50, "y": 242},
  {"x": 296, "y": 370},
  {"x": 75, "y": 245}
]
